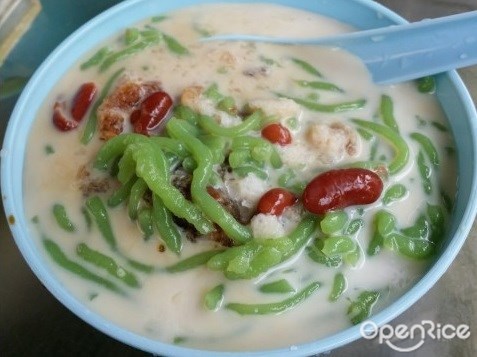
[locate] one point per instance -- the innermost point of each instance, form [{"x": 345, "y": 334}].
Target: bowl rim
[{"x": 19, "y": 229}]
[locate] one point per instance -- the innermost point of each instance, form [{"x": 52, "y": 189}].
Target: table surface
[{"x": 34, "y": 323}]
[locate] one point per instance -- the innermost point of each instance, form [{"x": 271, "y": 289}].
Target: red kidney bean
[
  {"x": 275, "y": 201},
  {"x": 60, "y": 121},
  {"x": 277, "y": 134},
  {"x": 134, "y": 117},
  {"x": 152, "y": 110},
  {"x": 82, "y": 100},
  {"x": 337, "y": 189}
]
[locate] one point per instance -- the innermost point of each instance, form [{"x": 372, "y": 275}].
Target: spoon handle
[
  {"x": 419, "y": 49},
  {"x": 400, "y": 52}
]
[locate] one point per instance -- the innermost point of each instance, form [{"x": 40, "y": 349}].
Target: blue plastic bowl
[{"x": 363, "y": 14}]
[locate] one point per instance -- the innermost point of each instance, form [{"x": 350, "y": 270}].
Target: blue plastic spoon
[{"x": 399, "y": 52}]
